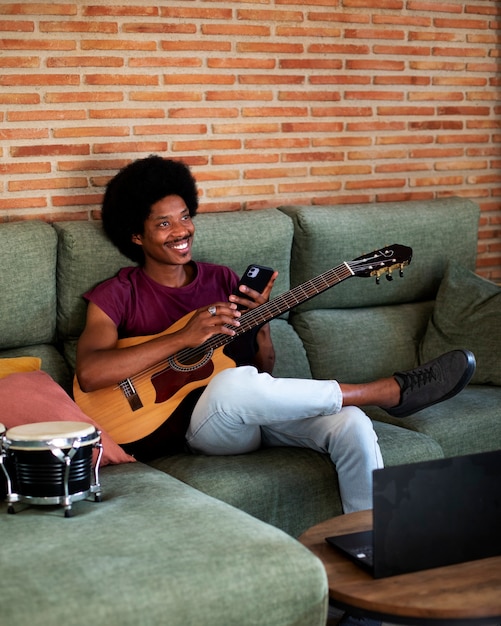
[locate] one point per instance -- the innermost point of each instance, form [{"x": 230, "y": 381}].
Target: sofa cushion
[
  {"x": 285, "y": 487},
  {"x": 52, "y": 360},
  {"x": 467, "y": 314},
  {"x": 33, "y": 397},
  {"x": 290, "y": 356},
  {"x": 28, "y": 303},
  {"x": 291, "y": 488},
  {"x": 238, "y": 239},
  {"x": 85, "y": 258},
  {"x": 468, "y": 423},
  {"x": 358, "y": 345},
  {"x": 326, "y": 236},
  {"x": 154, "y": 552},
  {"x": 400, "y": 445}
]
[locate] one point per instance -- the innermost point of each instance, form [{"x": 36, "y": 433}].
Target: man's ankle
[{"x": 384, "y": 392}]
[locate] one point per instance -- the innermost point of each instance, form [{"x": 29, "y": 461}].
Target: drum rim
[{"x": 65, "y": 435}]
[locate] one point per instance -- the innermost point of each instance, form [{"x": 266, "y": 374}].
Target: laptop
[{"x": 430, "y": 514}]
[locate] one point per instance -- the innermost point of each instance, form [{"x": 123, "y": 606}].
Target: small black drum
[{"x": 51, "y": 463}]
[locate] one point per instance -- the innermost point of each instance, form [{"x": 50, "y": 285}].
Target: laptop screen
[{"x": 435, "y": 513}]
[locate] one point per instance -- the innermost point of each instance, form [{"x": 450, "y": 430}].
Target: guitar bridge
[{"x": 131, "y": 394}]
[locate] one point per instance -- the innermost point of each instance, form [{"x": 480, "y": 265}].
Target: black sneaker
[{"x": 433, "y": 382}]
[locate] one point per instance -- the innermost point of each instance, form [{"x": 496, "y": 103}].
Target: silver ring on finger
[{"x": 212, "y": 310}]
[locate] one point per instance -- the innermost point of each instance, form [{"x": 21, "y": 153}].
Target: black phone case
[{"x": 256, "y": 277}]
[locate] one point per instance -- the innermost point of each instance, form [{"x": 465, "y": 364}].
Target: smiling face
[{"x": 168, "y": 235}]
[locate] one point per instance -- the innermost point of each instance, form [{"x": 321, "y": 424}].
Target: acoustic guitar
[{"x": 135, "y": 407}]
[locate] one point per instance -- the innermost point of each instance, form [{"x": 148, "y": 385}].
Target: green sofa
[{"x": 211, "y": 540}]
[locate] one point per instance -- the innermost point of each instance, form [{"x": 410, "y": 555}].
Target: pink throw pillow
[{"x": 32, "y": 397}]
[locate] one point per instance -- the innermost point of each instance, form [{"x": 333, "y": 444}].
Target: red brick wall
[{"x": 270, "y": 101}]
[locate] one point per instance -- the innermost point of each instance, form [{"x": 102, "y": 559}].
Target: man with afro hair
[{"x": 148, "y": 212}]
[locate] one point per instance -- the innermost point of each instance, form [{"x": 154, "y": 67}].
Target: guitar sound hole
[{"x": 189, "y": 363}]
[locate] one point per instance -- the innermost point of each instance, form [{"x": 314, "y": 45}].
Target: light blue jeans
[{"x": 242, "y": 410}]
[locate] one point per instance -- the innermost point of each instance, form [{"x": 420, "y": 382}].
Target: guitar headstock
[{"x": 382, "y": 261}]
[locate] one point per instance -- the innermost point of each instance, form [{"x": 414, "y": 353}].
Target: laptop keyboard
[{"x": 364, "y": 552}]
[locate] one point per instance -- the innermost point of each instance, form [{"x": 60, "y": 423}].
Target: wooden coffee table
[{"x": 466, "y": 594}]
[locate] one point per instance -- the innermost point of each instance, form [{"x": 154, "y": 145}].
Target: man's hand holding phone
[{"x": 254, "y": 287}]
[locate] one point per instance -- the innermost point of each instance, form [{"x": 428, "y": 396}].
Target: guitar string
[
  {"x": 280, "y": 304},
  {"x": 248, "y": 320},
  {"x": 265, "y": 312}
]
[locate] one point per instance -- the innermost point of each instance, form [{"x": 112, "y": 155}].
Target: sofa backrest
[
  {"x": 353, "y": 319},
  {"x": 85, "y": 258},
  {"x": 28, "y": 285},
  {"x": 358, "y": 331},
  {"x": 438, "y": 231}
]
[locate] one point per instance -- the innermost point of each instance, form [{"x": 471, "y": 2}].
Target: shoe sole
[{"x": 467, "y": 376}]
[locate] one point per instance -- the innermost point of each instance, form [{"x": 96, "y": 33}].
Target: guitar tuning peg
[
  {"x": 401, "y": 272},
  {"x": 389, "y": 277},
  {"x": 378, "y": 279}
]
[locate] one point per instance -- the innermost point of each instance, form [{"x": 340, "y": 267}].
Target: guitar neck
[
  {"x": 283, "y": 303},
  {"x": 375, "y": 264}
]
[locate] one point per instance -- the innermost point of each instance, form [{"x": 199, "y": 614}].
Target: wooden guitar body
[{"x": 137, "y": 406}]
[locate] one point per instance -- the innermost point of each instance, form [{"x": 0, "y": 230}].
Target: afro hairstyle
[{"x": 134, "y": 190}]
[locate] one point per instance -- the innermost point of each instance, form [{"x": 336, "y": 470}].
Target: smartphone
[{"x": 256, "y": 277}]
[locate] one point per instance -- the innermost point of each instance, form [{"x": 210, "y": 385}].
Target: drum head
[{"x": 44, "y": 435}]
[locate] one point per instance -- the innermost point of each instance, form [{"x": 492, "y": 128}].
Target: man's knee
[
  {"x": 232, "y": 379},
  {"x": 357, "y": 424}
]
